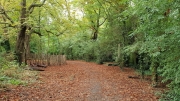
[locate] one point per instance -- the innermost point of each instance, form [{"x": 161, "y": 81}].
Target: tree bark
[
  {"x": 27, "y": 47},
  {"x": 20, "y": 45}
]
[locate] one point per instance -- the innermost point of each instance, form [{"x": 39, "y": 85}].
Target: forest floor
[{"x": 83, "y": 81}]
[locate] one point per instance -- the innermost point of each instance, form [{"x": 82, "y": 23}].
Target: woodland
[{"x": 140, "y": 34}]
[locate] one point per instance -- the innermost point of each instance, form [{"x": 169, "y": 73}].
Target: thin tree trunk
[
  {"x": 154, "y": 67},
  {"x": 119, "y": 53}
]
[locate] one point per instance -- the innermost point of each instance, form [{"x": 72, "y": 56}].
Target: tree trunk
[
  {"x": 20, "y": 45},
  {"x": 154, "y": 67},
  {"x": 27, "y": 47},
  {"x": 119, "y": 53},
  {"x": 95, "y": 35},
  {"x": 132, "y": 60}
]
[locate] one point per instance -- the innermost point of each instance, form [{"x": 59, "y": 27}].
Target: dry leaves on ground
[{"x": 83, "y": 81}]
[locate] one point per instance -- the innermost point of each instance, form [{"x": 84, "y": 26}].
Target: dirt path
[{"x": 83, "y": 81}]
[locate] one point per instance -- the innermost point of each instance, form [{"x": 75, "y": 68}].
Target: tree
[
  {"x": 23, "y": 37},
  {"x": 157, "y": 24},
  {"x": 96, "y": 16}
]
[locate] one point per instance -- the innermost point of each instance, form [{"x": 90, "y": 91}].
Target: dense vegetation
[{"x": 143, "y": 34}]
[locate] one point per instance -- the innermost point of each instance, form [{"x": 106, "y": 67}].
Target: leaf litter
[{"x": 83, "y": 81}]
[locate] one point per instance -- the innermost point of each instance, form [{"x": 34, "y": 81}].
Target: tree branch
[
  {"x": 4, "y": 23},
  {"x": 98, "y": 17},
  {"x": 31, "y": 7},
  {"x": 105, "y": 9},
  {"x": 31, "y": 30},
  {"x": 60, "y": 33},
  {"x": 36, "y": 32},
  {"x": 49, "y": 31},
  {"x": 103, "y": 22},
  {"x": 7, "y": 24},
  {"x": 5, "y": 14},
  {"x": 93, "y": 27}
]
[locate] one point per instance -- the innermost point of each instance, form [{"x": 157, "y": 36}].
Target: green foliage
[
  {"x": 157, "y": 35},
  {"x": 12, "y": 74},
  {"x": 82, "y": 47},
  {"x": 8, "y": 80}
]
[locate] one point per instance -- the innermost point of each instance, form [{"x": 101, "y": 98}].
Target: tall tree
[{"x": 23, "y": 39}]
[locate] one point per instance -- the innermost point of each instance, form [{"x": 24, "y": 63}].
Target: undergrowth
[{"x": 13, "y": 75}]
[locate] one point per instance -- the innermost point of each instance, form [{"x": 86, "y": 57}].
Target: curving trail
[{"x": 83, "y": 81}]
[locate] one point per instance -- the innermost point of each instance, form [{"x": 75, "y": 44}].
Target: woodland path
[{"x": 83, "y": 81}]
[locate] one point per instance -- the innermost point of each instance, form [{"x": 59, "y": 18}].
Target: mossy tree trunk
[{"x": 20, "y": 45}]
